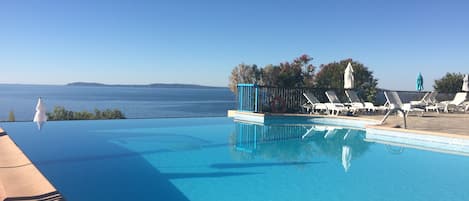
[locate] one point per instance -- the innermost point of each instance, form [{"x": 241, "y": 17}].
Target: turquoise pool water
[{"x": 203, "y": 159}]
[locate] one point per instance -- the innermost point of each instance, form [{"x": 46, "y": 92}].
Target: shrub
[{"x": 60, "y": 113}]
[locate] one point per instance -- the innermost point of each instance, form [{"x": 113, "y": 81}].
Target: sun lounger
[
  {"x": 337, "y": 107},
  {"x": 354, "y": 99},
  {"x": 456, "y": 104},
  {"x": 395, "y": 105},
  {"x": 431, "y": 99},
  {"x": 421, "y": 102},
  {"x": 432, "y": 104},
  {"x": 435, "y": 108},
  {"x": 427, "y": 100},
  {"x": 358, "y": 102},
  {"x": 313, "y": 105},
  {"x": 395, "y": 101}
]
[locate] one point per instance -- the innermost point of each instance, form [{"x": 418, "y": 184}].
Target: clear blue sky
[{"x": 199, "y": 42}]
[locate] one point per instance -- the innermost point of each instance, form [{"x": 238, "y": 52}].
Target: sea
[{"x": 134, "y": 102}]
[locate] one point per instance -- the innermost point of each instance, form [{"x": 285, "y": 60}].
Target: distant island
[{"x": 153, "y": 85}]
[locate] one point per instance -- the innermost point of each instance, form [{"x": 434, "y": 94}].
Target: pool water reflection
[{"x": 293, "y": 142}]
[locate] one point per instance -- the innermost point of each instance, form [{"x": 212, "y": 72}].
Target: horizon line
[{"x": 123, "y": 84}]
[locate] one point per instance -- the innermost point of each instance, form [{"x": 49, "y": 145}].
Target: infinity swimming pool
[{"x": 205, "y": 159}]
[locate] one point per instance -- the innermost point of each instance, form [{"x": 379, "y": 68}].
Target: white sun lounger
[
  {"x": 421, "y": 102},
  {"x": 336, "y": 107},
  {"x": 354, "y": 99},
  {"x": 456, "y": 104},
  {"x": 395, "y": 102},
  {"x": 431, "y": 99},
  {"x": 395, "y": 105},
  {"x": 427, "y": 100},
  {"x": 313, "y": 105},
  {"x": 367, "y": 106},
  {"x": 432, "y": 104}
]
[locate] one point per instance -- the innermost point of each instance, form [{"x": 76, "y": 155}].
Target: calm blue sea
[{"x": 135, "y": 102}]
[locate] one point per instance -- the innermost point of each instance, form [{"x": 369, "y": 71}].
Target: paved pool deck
[
  {"x": 453, "y": 123},
  {"x": 443, "y": 124},
  {"x": 19, "y": 178}
]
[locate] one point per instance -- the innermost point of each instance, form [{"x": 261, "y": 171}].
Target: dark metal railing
[
  {"x": 275, "y": 100},
  {"x": 256, "y": 98}
]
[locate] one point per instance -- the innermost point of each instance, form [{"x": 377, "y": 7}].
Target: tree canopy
[
  {"x": 244, "y": 73},
  {"x": 297, "y": 73},
  {"x": 450, "y": 83},
  {"x": 331, "y": 76},
  {"x": 300, "y": 73}
]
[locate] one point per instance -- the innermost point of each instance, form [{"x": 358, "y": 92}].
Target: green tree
[
  {"x": 450, "y": 83},
  {"x": 331, "y": 76},
  {"x": 11, "y": 116},
  {"x": 244, "y": 74},
  {"x": 290, "y": 75},
  {"x": 297, "y": 73},
  {"x": 270, "y": 75},
  {"x": 307, "y": 69}
]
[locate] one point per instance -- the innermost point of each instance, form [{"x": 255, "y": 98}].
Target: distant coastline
[{"x": 153, "y": 85}]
